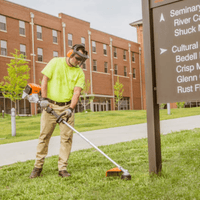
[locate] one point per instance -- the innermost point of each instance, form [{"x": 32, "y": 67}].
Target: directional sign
[{"x": 177, "y": 51}]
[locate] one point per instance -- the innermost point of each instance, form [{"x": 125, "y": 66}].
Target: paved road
[{"x": 23, "y": 151}]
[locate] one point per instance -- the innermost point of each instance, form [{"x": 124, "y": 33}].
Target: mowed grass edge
[{"x": 179, "y": 178}]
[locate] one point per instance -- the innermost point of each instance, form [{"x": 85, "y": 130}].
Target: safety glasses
[{"x": 78, "y": 58}]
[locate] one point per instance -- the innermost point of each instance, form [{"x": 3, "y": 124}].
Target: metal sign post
[
  {"x": 172, "y": 61},
  {"x": 153, "y": 121}
]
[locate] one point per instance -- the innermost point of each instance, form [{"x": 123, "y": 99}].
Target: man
[{"x": 61, "y": 87}]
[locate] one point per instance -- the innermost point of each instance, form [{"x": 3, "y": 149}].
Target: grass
[
  {"x": 179, "y": 178},
  {"x": 28, "y": 128}
]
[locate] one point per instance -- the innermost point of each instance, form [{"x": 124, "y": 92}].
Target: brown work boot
[
  {"x": 64, "y": 173},
  {"x": 36, "y": 172}
]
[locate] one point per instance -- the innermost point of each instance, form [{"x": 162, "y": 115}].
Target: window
[
  {"x": 55, "y": 54},
  {"x": 94, "y": 65},
  {"x": 134, "y": 73},
  {"x": 115, "y": 52},
  {"x": 70, "y": 43},
  {"x": 104, "y": 49},
  {"x": 3, "y": 48},
  {"x": 105, "y": 67},
  {"x": 55, "y": 36},
  {"x": 83, "y": 41},
  {"x": 125, "y": 71},
  {"x": 115, "y": 69},
  {"x": 84, "y": 65},
  {"x": 39, "y": 32},
  {"x": 40, "y": 54},
  {"x": 124, "y": 55},
  {"x": 21, "y": 28},
  {"x": 93, "y": 46},
  {"x": 133, "y": 57},
  {"x": 23, "y": 49},
  {"x": 2, "y": 23}
]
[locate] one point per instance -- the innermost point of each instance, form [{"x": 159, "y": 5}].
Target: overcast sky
[{"x": 110, "y": 16}]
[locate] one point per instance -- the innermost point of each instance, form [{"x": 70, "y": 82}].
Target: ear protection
[
  {"x": 69, "y": 53},
  {"x": 75, "y": 50}
]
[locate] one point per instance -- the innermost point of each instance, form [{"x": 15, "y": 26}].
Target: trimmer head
[{"x": 126, "y": 176}]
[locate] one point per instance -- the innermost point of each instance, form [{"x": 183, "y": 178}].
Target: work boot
[
  {"x": 36, "y": 172},
  {"x": 64, "y": 173}
]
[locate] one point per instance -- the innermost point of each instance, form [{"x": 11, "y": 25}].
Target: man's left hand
[{"x": 68, "y": 112}]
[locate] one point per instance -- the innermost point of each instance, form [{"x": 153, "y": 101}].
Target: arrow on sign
[
  {"x": 162, "y": 18},
  {"x": 162, "y": 51}
]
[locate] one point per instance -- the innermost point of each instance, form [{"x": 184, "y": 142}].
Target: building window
[
  {"x": 55, "y": 36},
  {"x": 21, "y": 28},
  {"x": 104, "y": 49},
  {"x": 115, "y": 69},
  {"x": 3, "y": 48},
  {"x": 39, "y": 32},
  {"x": 70, "y": 40},
  {"x": 40, "y": 54},
  {"x": 133, "y": 57},
  {"x": 23, "y": 49},
  {"x": 83, "y": 41},
  {"x": 124, "y": 55},
  {"x": 2, "y": 23},
  {"x": 134, "y": 73},
  {"x": 124, "y": 103},
  {"x": 84, "y": 65},
  {"x": 115, "y": 52},
  {"x": 94, "y": 65},
  {"x": 105, "y": 67},
  {"x": 125, "y": 71},
  {"x": 55, "y": 54},
  {"x": 93, "y": 46}
]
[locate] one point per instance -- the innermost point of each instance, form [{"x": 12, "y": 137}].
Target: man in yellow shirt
[{"x": 61, "y": 87}]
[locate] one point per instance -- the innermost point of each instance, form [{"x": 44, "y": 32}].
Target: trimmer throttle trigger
[{"x": 59, "y": 118}]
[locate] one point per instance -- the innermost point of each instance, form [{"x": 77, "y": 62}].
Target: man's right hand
[{"x": 44, "y": 103}]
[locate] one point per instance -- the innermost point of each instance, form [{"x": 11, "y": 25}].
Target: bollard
[
  {"x": 168, "y": 109},
  {"x": 3, "y": 113},
  {"x": 13, "y": 122}
]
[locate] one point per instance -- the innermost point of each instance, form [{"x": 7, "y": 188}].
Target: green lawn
[
  {"x": 179, "y": 179},
  {"x": 28, "y": 127}
]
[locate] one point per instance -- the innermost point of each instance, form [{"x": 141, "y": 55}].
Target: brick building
[{"x": 41, "y": 37}]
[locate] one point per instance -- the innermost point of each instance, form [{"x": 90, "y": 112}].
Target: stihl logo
[{"x": 158, "y": 1}]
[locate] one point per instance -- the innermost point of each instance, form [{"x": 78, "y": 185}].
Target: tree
[
  {"x": 118, "y": 91},
  {"x": 84, "y": 94},
  {"x": 18, "y": 73}
]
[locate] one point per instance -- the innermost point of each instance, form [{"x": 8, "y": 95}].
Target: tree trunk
[{"x": 84, "y": 105}]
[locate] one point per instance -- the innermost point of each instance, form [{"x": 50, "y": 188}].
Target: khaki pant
[{"x": 48, "y": 124}]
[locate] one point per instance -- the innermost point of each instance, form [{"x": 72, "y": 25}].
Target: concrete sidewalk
[{"x": 23, "y": 151}]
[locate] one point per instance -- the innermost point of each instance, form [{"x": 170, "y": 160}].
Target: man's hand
[
  {"x": 68, "y": 112},
  {"x": 44, "y": 103}
]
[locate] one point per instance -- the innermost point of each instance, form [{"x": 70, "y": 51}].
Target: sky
[{"x": 109, "y": 16}]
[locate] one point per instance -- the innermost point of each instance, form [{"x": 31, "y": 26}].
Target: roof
[{"x": 136, "y": 23}]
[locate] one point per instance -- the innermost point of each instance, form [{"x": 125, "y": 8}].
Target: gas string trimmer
[{"x": 31, "y": 93}]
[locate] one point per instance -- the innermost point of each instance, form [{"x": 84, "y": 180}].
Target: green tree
[
  {"x": 118, "y": 91},
  {"x": 84, "y": 94},
  {"x": 18, "y": 73}
]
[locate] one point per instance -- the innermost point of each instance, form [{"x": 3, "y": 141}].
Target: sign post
[{"x": 172, "y": 61}]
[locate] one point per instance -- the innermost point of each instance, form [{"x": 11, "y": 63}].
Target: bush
[
  {"x": 162, "y": 105},
  {"x": 87, "y": 110},
  {"x": 180, "y": 104}
]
